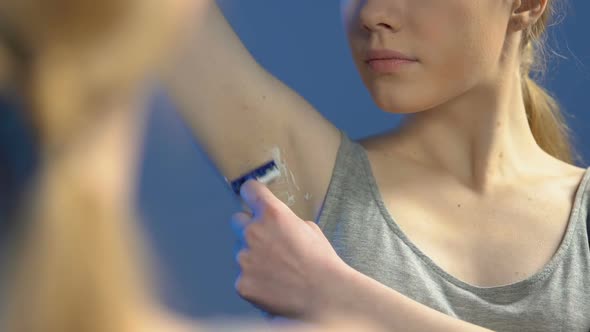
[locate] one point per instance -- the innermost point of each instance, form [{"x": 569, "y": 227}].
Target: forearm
[{"x": 353, "y": 293}]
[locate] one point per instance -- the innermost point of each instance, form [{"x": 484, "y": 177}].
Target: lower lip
[{"x": 388, "y": 65}]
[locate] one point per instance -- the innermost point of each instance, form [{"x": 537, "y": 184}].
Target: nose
[{"x": 379, "y": 15}]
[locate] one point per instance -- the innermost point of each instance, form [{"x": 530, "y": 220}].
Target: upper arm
[{"x": 242, "y": 116}]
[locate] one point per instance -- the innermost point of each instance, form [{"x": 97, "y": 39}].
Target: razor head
[{"x": 264, "y": 174}]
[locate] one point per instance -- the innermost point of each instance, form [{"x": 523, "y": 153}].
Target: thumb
[{"x": 257, "y": 196}]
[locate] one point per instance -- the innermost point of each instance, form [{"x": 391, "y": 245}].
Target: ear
[{"x": 525, "y": 13}]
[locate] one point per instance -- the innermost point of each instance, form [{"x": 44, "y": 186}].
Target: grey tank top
[{"x": 363, "y": 233}]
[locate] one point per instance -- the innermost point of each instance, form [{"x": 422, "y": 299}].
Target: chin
[
  {"x": 398, "y": 97},
  {"x": 400, "y": 104}
]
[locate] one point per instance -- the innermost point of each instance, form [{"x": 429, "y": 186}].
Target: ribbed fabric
[{"x": 365, "y": 235}]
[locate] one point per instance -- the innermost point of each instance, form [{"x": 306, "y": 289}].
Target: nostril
[
  {"x": 385, "y": 25},
  {"x": 378, "y": 26}
]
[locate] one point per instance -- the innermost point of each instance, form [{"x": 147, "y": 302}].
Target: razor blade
[{"x": 264, "y": 174}]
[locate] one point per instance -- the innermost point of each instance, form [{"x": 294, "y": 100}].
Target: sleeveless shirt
[{"x": 356, "y": 222}]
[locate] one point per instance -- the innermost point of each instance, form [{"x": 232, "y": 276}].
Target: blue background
[{"x": 184, "y": 201}]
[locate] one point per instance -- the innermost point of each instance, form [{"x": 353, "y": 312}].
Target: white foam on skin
[
  {"x": 286, "y": 178},
  {"x": 294, "y": 182},
  {"x": 276, "y": 156},
  {"x": 290, "y": 200}
]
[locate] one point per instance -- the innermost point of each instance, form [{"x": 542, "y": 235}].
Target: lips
[
  {"x": 385, "y": 54},
  {"x": 387, "y": 61}
]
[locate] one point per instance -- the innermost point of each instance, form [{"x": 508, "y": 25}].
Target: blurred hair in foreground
[{"x": 75, "y": 259}]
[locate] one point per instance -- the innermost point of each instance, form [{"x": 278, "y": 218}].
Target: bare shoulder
[
  {"x": 562, "y": 174},
  {"x": 571, "y": 178}
]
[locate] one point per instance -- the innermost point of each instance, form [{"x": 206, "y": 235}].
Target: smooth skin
[
  {"x": 466, "y": 164},
  {"x": 462, "y": 168}
]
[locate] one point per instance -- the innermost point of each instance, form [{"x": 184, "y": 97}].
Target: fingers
[
  {"x": 257, "y": 197},
  {"x": 246, "y": 208},
  {"x": 246, "y": 289},
  {"x": 239, "y": 224}
]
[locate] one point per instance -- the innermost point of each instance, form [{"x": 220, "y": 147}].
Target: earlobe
[{"x": 517, "y": 23}]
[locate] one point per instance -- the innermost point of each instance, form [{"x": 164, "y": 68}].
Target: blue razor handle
[{"x": 265, "y": 174}]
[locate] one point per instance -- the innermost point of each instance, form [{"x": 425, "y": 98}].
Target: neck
[{"x": 482, "y": 138}]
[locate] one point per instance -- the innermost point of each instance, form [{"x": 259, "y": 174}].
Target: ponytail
[{"x": 545, "y": 118}]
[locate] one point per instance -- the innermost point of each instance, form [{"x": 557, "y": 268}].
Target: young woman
[
  {"x": 70, "y": 256},
  {"x": 472, "y": 210}
]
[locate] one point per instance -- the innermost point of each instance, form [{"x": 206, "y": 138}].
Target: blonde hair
[
  {"x": 544, "y": 114},
  {"x": 77, "y": 264}
]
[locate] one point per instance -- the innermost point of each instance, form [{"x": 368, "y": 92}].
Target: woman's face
[{"x": 455, "y": 45}]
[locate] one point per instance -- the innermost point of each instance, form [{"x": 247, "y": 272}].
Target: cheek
[
  {"x": 455, "y": 42},
  {"x": 460, "y": 45}
]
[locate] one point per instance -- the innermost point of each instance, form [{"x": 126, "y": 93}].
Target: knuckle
[
  {"x": 272, "y": 211},
  {"x": 271, "y": 214},
  {"x": 251, "y": 233}
]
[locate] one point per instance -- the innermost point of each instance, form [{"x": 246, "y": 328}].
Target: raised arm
[{"x": 243, "y": 116}]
